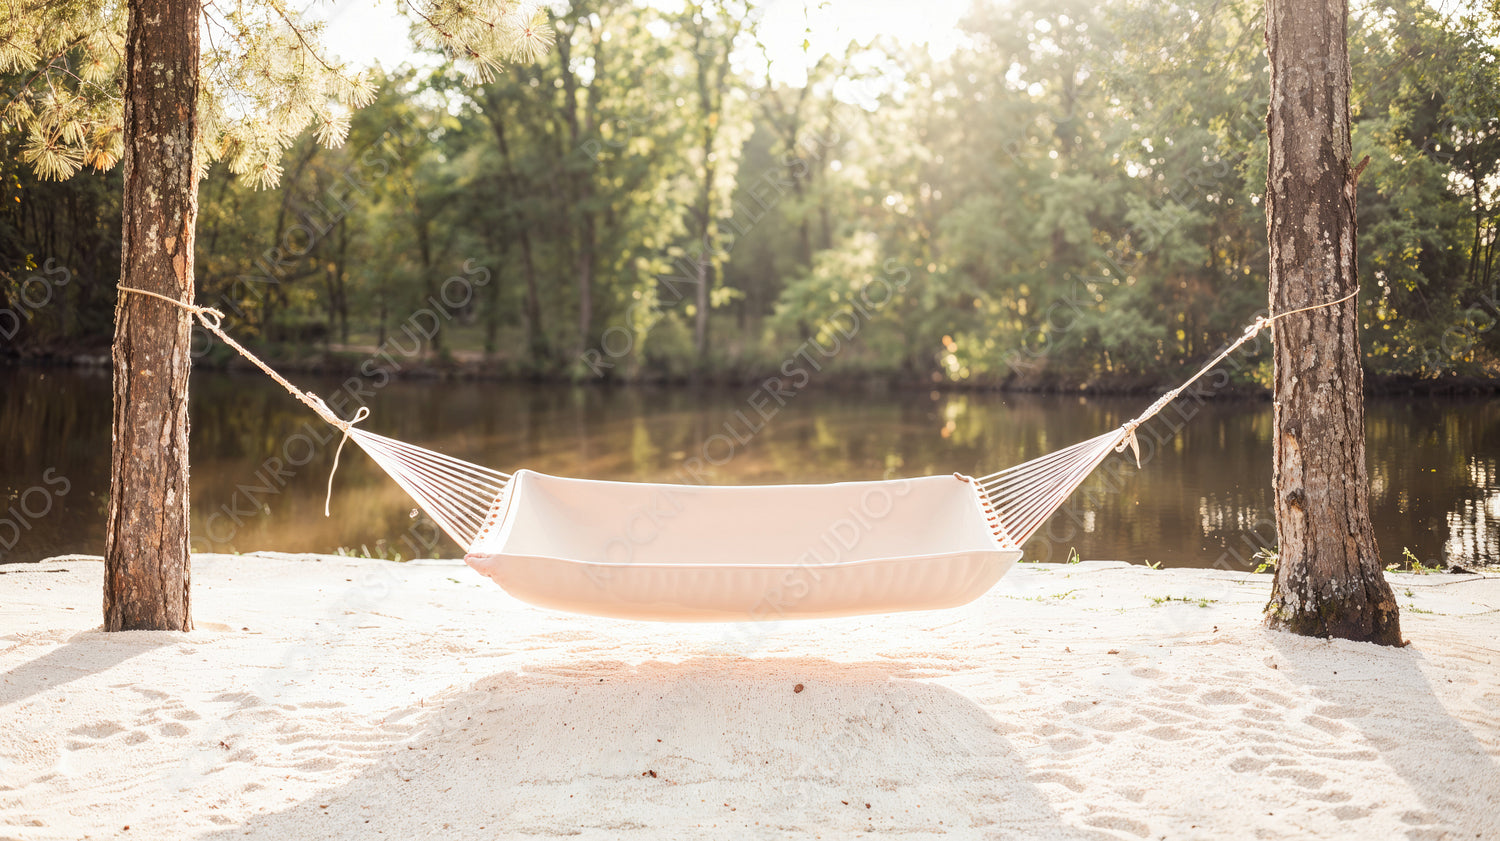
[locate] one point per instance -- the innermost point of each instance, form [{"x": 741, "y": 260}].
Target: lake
[{"x": 260, "y": 461}]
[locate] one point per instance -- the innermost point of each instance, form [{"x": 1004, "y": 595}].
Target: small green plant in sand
[
  {"x": 383, "y": 552},
  {"x": 1158, "y": 601},
  {"x": 1153, "y": 564},
  {"x": 1046, "y": 597},
  {"x": 1413, "y": 564},
  {"x": 1266, "y": 558},
  {"x": 1073, "y": 555}
]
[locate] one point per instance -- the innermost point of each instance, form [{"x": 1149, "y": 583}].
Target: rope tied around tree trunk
[
  {"x": 1127, "y": 430},
  {"x": 212, "y": 319}
]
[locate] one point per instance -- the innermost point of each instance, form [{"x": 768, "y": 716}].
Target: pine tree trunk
[
  {"x": 1329, "y": 580},
  {"x": 146, "y": 578}
]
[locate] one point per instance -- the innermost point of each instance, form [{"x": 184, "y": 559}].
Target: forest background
[{"x": 1070, "y": 199}]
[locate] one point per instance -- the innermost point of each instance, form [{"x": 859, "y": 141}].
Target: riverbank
[
  {"x": 329, "y": 697},
  {"x": 468, "y": 366}
]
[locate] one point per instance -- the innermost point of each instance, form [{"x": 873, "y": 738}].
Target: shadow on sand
[
  {"x": 1401, "y": 716},
  {"x": 86, "y": 653},
  {"x": 710, "y": 747}
]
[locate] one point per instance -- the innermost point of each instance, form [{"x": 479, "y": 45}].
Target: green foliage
[
  {"x": 264, "y": 78},
  {"x": 1413, "y": 564},
  {"x": 1158, "y": 601},
  {"x": 383, "y": 551},
  {"x": 1072, "y": 200}
]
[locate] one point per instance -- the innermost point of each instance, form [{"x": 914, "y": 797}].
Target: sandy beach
[{"x": 326, "y": 697}]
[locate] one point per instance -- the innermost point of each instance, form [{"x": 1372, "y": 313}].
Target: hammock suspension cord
[
  {"x": 459, "y": 496},
  {"x": 1020, "y": 498},
  {"x": 456, "y": 494}
]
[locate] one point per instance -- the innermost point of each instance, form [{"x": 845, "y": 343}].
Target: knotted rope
[
  {"x": 211, "y": 319},
  {"x": 1127, "y": 430},
  {"x": 1019, "y": 499}
]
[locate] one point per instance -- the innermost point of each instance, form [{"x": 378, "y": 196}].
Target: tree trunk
[
  {"x": 585, "y": 263},
  {"x": 706, "y": 239},
  {"x": 334, "y": 271},
  {"x": 1329, "y": 580},
  {"x": 536, "y": 335},
  {"x": 581, "y": 180},
  {"x": 146, "y": 565}
]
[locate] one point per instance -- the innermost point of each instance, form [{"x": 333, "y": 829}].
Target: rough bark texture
[
  {"x": 1329, "y": 580},
  {"x": 146, "y": 582}
]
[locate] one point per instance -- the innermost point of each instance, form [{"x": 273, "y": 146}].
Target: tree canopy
[{"x": 1073, "y": 197}]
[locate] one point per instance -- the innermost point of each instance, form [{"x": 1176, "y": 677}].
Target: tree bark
[
  {"x": 536, "y": 335},
  {"x": 581, "y": 179},
  {"x": 1329, "y": 580},
  {"x": 146, "y": 578},
  {"x": 712, "y": 67}
]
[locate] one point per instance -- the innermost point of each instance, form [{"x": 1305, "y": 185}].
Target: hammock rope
[
  {"x": 460, "y": 497},
  {"x": 1022, "y": 497}
]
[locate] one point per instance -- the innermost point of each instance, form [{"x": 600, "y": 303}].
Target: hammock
[{"x": 733, "y": 553}]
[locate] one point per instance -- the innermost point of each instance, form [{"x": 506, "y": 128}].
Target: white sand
[{"x": 336, "y": 698}]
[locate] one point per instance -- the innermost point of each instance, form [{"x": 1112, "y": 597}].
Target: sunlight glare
[{"x": 367, "y": 32}]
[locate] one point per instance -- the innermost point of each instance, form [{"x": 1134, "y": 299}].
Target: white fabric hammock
[
  {"x": 704, "y": 553},
  {"x": 698, "y": 553}
]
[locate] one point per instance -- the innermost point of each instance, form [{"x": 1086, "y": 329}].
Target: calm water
[{"x": 260, "y": 461}]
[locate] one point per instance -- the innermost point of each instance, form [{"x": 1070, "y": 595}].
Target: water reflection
[{"x": 260, "y": 461}]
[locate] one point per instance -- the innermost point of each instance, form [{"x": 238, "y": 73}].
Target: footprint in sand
[
  {"x": 1300, "y": 776},
  {"x": 1147, "y": 673},
  {"x": 1327, "y": 725},
  {"x": 98, "y": 731},
  {"x": 1248, "y": 765},
  {"x": 1168, "y": 733},
  {"x": 1119, "y": 823},
  {"x": 1416, "y": 818},
  {"x": 1351, "y": 813},
  {"x": 1346, "y": 755},
  {"x": 174, "y": 730},
  {"x": 1274, "y": 697},
  {"x": 1259, "y": 713},
  {"x": 1163, "y": 716},
  {"x": 1220, "y": 697},
  {"x": 1336, "y": 711},
  {"x": 1189, "y": 710},
  {"x": 148, "y": 694},
  {"x": 1067, "y": 782},
  {"x": 1065, "y": 744},
  {"x": 1115, "y": 722},
  {"x": 243, "y": 700}
]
